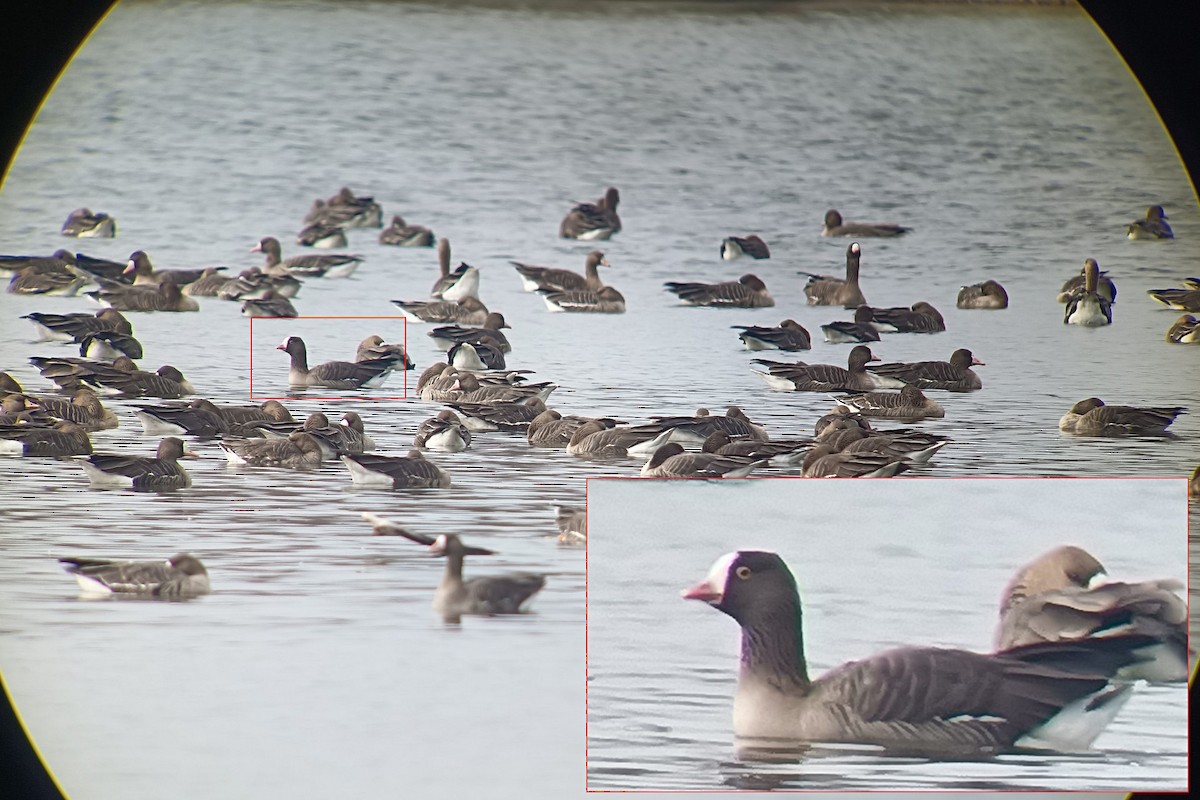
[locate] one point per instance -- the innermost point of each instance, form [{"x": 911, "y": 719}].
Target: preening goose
[
  {"x": 751, "y": 246},
  {"x": 593, "y": 221},
  {"x": 334, "y": 374},
  {"x": 789, "y": 336},
  {"x": 1090, "y": 305},
  {"x": 453, "y": 286},
  {"x": 988, "y": 294},
  {"x": 83, "y": 223}
]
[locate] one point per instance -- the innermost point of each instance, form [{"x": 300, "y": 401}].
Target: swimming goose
[
  {"x": 164, "y": 296},
  {"x": 334, "y": 374},
  {"x": 254, "y": 284},
  {"x": 697, "y": 428},
  {"x": 929, "y": 701},
  {"x": 911, "y": 447},
  {"x": 988, "y": 294},
  {"x": 83, "y": 408},
  {"x": 475, "y": 357},
  {"x": 102, "y": 268},
  {"x": 789, "y": 336},
  {"x": 1103, "y": 284},
  {"x": 405, "y": 472},
  {"x": 471, "y": 390},
  {"x": 443, "y": 432},
  {"x": 454, "y": 286},
  {"x": 322, "y": 236},
  {"x": 299, "y": 451},
  {"x": 401, "y": 234},
  {"x": 781, "y": 453},
  {"x": 954, "y": 375},
  {"x": 467, "y": 311},
  {"x": 802, "y": 377},
  {"x": 907, "y": 404},
  {"x": 160, "y": 473},
  {"x": 593, "y": 221},
  {"x": 1049, "y": 600},
  {"x": 109, "y": 345},
  {"x": 1091, "y": 417},
  {"x": 64, "y": 438},
  {"x": 46, "y": 282},
  {"x": 494, "y": 594},
  {"x": 59, "y": 261},
  {"x": 582, "y": 301},
  {"x": 552, "y": 429},
  {"x": 860, "y": 330},
  {"x": 1185, "y": 299},
  {"x": 271, "y": 305},
  {"x": 82, "y": 223},
  {"x": 747, "y": 291},
  {"x": 843, "y": 417},
  {"x": 508, "y": 416},
  {"x": 572, "y": 524},
  {"x": 604, "y": 438},
  {"x": 826, "y": 290},
  {"x": 209, "y": 284},
  {"x": 1152, "y": 226},
  {"x": 144, "y": 273},
  {"x": 834, "y": 225},
  {"x": 200, "y": 418},
  {"x": 352, "y": 211},
  {"x": 1184, "y": 330},
  {"x": 374, "y": 347},
  {"x": 313, "y": 265},
  {"x": 445, "y": 337},
  {"x": 348, "y": 436},
  {"x": 1089, "y": 306},
  {"x": 822, "y": 462},
  {"x": 671, "y": 461},
  {"x": 535, "y": 278},
  {"x": 73, "y": 327},
  {"x": 269, "y": 411},
  {"x": 921, "y": 317},
  {"x": 121, "y": 376},
  {"x": 179, "y": 577},
  {"x": 736, "y": 246}
]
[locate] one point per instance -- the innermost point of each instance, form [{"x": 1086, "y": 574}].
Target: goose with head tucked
[
  {"x": 1152, "y": 226},
  {"x": 789, "y": 336},
  {"x": 374, "y": 347},
  {"x": 826, "y": 290},
  {"x": 83, "y": 223},
  {"x": 748, "y": 291},
  {"x": 83, "y": 408},
  {"x": 821, "y": 461},
  {"x": 1184, "y": 330},
  {"x": 920, "y": 317},
  {"x": 322, "y": 236},
  {"x": 180, "y": 577},
  {"x": 443, "y": 432},
  {"x": 672, "y": 461},
  {"x": 467, "y": 311},
  {"x": 988, "y": 294},
  {"x": 445, "y": 337},
  {"x": 908, "y": 404},
  {"x": 163, "y": 296},
  {"x": 1092, "y": 417},
  {"x": 593, "y": 221},
  {"x": 299, "y": 451},
  {"x": 159, "y": 473},
  {"x": 401, "y": 234},
  {"x": 858, "y": 330},
  {"x": 63, "y": 438},
  {"x": 508, "y": 416},
  {"x": 396, "y": 472},
  {"x": 270, "y": 305}
]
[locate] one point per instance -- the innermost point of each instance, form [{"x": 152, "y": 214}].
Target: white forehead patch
[{"x": 719, "y": 573}]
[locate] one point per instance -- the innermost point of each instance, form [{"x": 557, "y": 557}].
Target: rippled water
[{"x": 1012, "y": 140}]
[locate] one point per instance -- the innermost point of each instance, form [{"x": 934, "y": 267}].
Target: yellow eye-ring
[{"x": 742, "y": 572}]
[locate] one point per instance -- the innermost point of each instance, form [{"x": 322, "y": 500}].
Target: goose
[
  {"x": 572, "y": 524},
  {"x": 789, "y": 336},
  {"x": 109, "y": 345},
  {"x": 552, "y": 429},
  {"x": 455, "y": 597},
  {"x": 1152, "y": 226},
  {"x": 1087, "y": 306},
  {"x": 1091, "y": 417},
  {"x": 59, "y": 261},
  {"x": 605, "y": 439},
  {"x": 334, "y": 374},
  {"x": 606, "y": 301},
  {"x": 826, "y": 290},
  {"x": 453, "y": 286},
  {"x": 747, "y": 291},
  {"x": 445, "y": 337},
  {"x": 83, "y": 408},
  {"x": 374, "y": 347},
  {"x": 475, "y": 357},
  {"x": 401, "y": 234},
  {"x": 165, "y": 296},
  {"x": 48, "y": 282},
  {"x": 860, "y": 330},
  {"x": 9, "y": 384},
  {"x": 472, "y": 390},
  {"x": 324, "y": 265},
  {"x": 907, "y": 404},
  {"x": 1103, "y": 284},
  {"x": 322, "y": 236},
  {"x": 73, "y": 327},
  {"x": 736, "y": 246},
  {"x": 102, "y": 268},
  {"x": 268, "y": 411},
  {"x": 467, "y": 311},
  {"x": 160, "y": 473},
  {"x": 822, "y": 462},
  {"x": 83, "y": 223},
  {"x": 144, "y": 273},
  {"x": 782, "y": 453},
  {"x": 200, "y": 417},
  {"x": 535, "y": 278},
  {"x": 1180, "y": 299},
  {"x": 954, "y": 375},
  {"x": 405, "y": 472},
  {"x": 299, "y": 451},
  {"x": 271, "y": 305},
  {"x": 834, "y": 225},
  {"x": 255, "y": 284},
  {"x": 802, "y": 377},
  {"x": 348, "y": 436},
  {"x": 209, "y": 284},
  {"x": 508, "y": 416},
  {"x": 179, "y": 577},
  {"x": 904, "y": 444},
  {"x": 1053, "y": 599},
  {"x": 921, "y": 317},
  {"x": 697, "y": 428},
  {"x": 671, "y": 461},
  {"x": 443, "y": 432},
  {"x": 593, "y": 221},
  {"x": 64, "y": 438},
  {"x": 352, "y": 211},
  {"x": 1184, "y": 330},
  {"x": 928, "y": 701},
  {"x": 842, "y": 417},
  {"x": 988, "y": 294},
  {"x": 120, "y": 377}
]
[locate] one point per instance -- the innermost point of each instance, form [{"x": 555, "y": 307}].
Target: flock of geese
[{"x": 1023, "y": 685}]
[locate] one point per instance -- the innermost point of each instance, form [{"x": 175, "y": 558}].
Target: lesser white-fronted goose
[
  {"x": 783, "y": 452},
  {"x": 270, "y": 305},
  {"x": 255, "y": 284},
  {"x": 954, "y": 375},
  {"x": 46, "y": 282},
  {"x": 334, "y": 374},
  {"x": 1053, "y": 599},
  {"x": 535, "y": 278},
  {"x": 747, "y": 291},
  {"x": 859, "y": 330},
  {"x": 109, "y": 345},
  {"x": 405, "y": 472},
  {"x": 374, "y": 347},
  {"x": 453, "y": 286},
  {"x": 822, "y": 462},
  {"x": 181, "y": 576},
  {"x": 789, "y": 336},
  {"x": 164, "y": 296},
  {"x": 322, "y": 236},
  {"x": 121, "y": 376},
  {"x": 802, "y": 377},
  {"x": 63, "y": 438},
  {"x": 299, "y": 451},
  {"x": 73, "y": 327},
  {"x": 83, "y": 223},
  {"x": 921, "y": 317},
  {"x": 988, "y": 294},
  {"x": 1184, "y": 330},
  {"x": 907, "y": 404},
  {"x": 826, "y": 290},
  {"x": 1091, "y": 417},
  {"x": 511, "y": 416},
  {"x": 582, "y": 301},
  {"x": 1103, "y": 284},
  {"x": 834, "y": 225},
  {"x": 1180, "y": 299},
  {"x": 929, "y": 701},
  {"x": 737, "y": 246},
  {"x": 83, "y": 408},
  {"x": 160, "y": 473},
  {"x": 467, "y": 311},
  {"x": 443, "y": 432},
  {"x": 552, "y": 429},
  {"x": 672, "y": 461},
  {"x": 445, "y": 337},
  {"x": 313, "y": 265},
  {"x": 455, "y": 597},
  {"x": 603, "y": 438},
  {"x": 593, "y": 221},
  {"x": 1152, "y": 226},
  {"x": 144, "y": 273},
  {"x": 475, "y": 357},
  {"x": 1088, "y": 306},
  {"x": 401, "y": 234}
]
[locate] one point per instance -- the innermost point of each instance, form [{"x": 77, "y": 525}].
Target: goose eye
[{"x": 742, "y": 572}]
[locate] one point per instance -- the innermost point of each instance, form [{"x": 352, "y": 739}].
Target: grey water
[{"x": 1013, "y": 141}]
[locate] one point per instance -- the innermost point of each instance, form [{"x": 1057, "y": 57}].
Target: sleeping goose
[
  {"x": 698, "y": 427},
  {"x": 1091, "y": 417},
  {"x": 988, "y": 294},
  {"x": 605, "y": 439},
  {"x": 780, "y": 453},
  {"x": 443, "y": 432},
  {"x": 584, "y": 301},
  {"x": 1180, "y": 299},
  {"x": 374, "y": 347},
  {"x": 860, "y": 330},
  {"x": 552, "y": 429},
  {"x": 929, "y": 701},
  {"x": 164, "y": 296},
  {"x": 121, "y": 376},
  {"x": 1152, "y": 226},
  {"x": 255, "y": 284},
  {"x": 74, "y": 326},
  {"x": 404, "y": 472},
  {"x": 198, "y": 418},
  {"x": 401, "y": 234},
  {"x": 83, "y": 408},
  {"x": 954, "y": 375},
  {"x": 179, "y": 577},
  {"x": 334, "y": 374},
  {"x": 209, "y": 284},
  {"x": 299, "y": 451},
  {"x": 348, "y": 436},
  {"x": 535, "y": 278},
  {"x": 908, "y": 404},
  {"x": 826, "y": 290},
  {"x": 160, "y": 473},
  {"x": 921, "y": 317},
  {"x": 313, "y": 265},
  {"x": 1089, "y": 306},
  {"x": 1053, "y": 599},
  {"x": 672, "y": 461},
  {"x": 453, "y": 286},
  {"x": 834, "y": 225},
  {"x": 821, "y": 461},
  {"x": 903, "y": 444},
  {"x": 802, "y": 377},
  {"x": 446, "y": 337},
  {"x": 352, "y": 211},
  {"x": 752, "y": 246},
  {"x": 593, "y": 221},
  {"x": 59, "y": 261},
  {"x": 271, "y": 305},
  {"x": 82, "y": 223},
  {"x": 467, "y": 311},
  {"x": 322, "y": 236},
  {"x": 1184, "y": 330},
  {"x": 507, "y": 416},
  {"x": 46, "y": 282},
  {"x": 747, "y": 291},
  {"x": 572, "y": 524},
  {"x": 789, "y": 336},
  {"x": 63, "y": 438}
]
